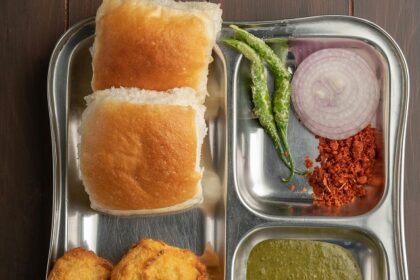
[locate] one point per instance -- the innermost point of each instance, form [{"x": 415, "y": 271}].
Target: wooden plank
[
  {"x": 28, "y": 33},
  {"x": 82, "y": 9},
  {"x": 400, "y": 19},
  {"x": 272, "y": 9},
  {"x": 240, "y": 9}
]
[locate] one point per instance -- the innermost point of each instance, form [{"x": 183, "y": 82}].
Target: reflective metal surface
[
  {"x": 258, "y": 169},
  {"x": 251, "y": 202},
  {"x": 244, "y": 198},
  {"x": 366, "y": 249},
  {"x": 75, "y": 224}
]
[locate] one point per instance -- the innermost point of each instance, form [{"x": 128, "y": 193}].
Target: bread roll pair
[{"x": 142, "y": 131}]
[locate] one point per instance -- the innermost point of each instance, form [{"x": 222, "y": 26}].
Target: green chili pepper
[
  {"x": 282, "y": 91},
  {"x": 261, "y": 98}
]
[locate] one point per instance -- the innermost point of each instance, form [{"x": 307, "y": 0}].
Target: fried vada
[
  {"x": 80, "y": 264},
  {"x": 155, "y": 260}
]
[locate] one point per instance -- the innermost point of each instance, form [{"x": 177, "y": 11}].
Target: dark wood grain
[
  {"x": 28, "y": 32},
  {"x": 276, "y": 9},
  {"x": 82, "y": 9},
  {"x": 240, "y": 9},
  {"x": 401, "y": 20}
]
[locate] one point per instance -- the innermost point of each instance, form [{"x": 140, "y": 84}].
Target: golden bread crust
[
  {"x": 80, "y": 264},
  {"x": 151, "y": 47},
  {"x": 137, "y": 156},
  {"x": 153, "y": 260}
]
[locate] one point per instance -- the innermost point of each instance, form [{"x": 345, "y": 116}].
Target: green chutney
[{"x": 301, "y": 260}]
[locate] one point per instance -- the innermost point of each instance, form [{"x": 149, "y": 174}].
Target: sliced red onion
[
  {"x": 335, "y": 93},
  {"x": 303, "y": 47}
]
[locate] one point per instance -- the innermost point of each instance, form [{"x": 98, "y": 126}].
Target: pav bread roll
[
  {"x": 80, "y": 264},
  {"x": 140, "y": 150},
  {"x": 154, "y": 44},
  {"x": 154, "y": 259}
]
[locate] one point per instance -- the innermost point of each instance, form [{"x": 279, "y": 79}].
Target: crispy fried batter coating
[
  {"x": 80, "y": 264},
  {"x": 155, "y": 260}
]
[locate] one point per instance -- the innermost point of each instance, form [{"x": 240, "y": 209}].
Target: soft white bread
[
  {"x": 154, "y": 44},
  {"x": 140, "y": 150}
]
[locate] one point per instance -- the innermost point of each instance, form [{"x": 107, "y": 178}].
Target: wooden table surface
[{"x": 28, "y": 32}]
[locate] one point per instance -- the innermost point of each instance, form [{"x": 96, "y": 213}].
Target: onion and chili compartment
[{"x": 258, "y": 169}]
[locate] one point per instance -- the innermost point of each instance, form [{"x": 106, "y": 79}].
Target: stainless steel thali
[{"x": 244, "y": 201}]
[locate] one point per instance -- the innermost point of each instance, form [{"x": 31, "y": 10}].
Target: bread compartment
[
  {"x": 258, "y": 170},
  {"x": 199, "y": 229},
  {"x": 365, "y": 248}
]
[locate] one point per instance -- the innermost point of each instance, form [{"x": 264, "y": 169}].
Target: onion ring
[{"x": 335, "y": 93}]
